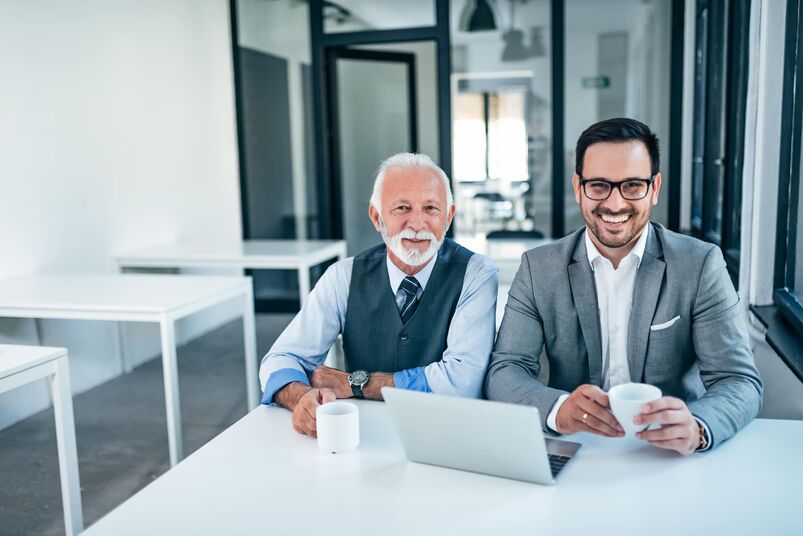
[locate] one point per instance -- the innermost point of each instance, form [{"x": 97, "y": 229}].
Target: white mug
[
  {"x": 338, "y": 426},
  {"x": 626, "y": 402}
]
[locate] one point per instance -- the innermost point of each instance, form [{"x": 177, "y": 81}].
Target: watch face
[{"x": 358, "y": 377}]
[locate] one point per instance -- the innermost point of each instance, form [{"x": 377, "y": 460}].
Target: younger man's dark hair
[{"x": 618, "y": 130}]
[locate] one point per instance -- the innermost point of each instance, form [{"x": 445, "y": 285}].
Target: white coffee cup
[
  {"x": 627, "y": 400},
  {"x": 338, "y": 426}
]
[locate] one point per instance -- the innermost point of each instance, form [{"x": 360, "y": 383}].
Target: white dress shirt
[
  {"x": 396, "y": 276},
  {"x": 614, "y": 299}
]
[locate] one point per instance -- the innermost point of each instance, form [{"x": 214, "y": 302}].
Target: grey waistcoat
[{"x": 374, "y": 338}]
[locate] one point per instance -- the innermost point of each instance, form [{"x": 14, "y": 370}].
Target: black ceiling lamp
[{"x": 482, "y": 19}]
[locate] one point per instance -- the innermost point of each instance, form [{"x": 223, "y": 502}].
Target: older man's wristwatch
[{"x": 358, "y": 379}]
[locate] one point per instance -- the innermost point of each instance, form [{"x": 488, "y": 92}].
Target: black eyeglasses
[{"x": 630, "y": 189}]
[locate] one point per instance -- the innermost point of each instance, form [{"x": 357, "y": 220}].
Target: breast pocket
[{"x": 661, "y": 330}]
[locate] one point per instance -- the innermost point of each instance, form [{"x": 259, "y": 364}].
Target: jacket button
[{"x": 404, "y": 337}]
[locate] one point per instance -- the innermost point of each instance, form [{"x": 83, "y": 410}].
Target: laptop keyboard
[{"x": 556, "y": 463}]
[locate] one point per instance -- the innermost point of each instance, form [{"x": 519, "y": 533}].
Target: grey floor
[{"x": 121, "y": 431}]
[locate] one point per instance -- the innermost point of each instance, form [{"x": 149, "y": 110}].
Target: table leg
[
  {"x": 303, "y": 283},
  {"x": 65, "y": 440},
  {"x": 172, "y": 404},
  {"x": 119, "y": 328},
  {"x": 250, "y": 347},
  {"x": 334, "y": 358},
  {"x": 125, "y": 366}
]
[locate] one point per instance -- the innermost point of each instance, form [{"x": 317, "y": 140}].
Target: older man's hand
[
  {"x": 330, "y": 378},
  {"x": 679, "y": 429},
  {"x": 587, "y": 410},
  {"x": 304, "y": 421}
]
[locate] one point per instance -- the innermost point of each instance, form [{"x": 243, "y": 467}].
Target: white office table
[
  {"x": 298, "y": 255},
  {"x": 261, "y": 477},
  {"x": 20, "y": 365},
  {"x": 163, "y": 299}
]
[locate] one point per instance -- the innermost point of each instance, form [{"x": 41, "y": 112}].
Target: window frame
[
  {"x": 721, "y": 74},
  {"x": 784, "y": 295}
]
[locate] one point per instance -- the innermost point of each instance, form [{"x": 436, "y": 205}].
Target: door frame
[
  {"x": 341, "y": 52},
  {"x": 330, "y": 206}
]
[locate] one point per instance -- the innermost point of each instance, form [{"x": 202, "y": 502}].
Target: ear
[
  {"x": 576, "y": 186},
  {"x": 656, "y": 190},
  {"x": 450, "y": 216},
  {"x": 375, "y": 218}
]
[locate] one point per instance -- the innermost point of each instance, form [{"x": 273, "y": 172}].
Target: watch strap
[{"x": 356, "y": 390}]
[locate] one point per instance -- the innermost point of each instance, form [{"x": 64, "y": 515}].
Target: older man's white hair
[{"x": 408, "y": 161}]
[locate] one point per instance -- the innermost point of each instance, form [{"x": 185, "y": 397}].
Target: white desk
[
  {"x": 163, "y": 299},
  {"x": 261, "y": 477},
  {"x": 20, "y": 365},
  {"x": 298, "y": 255}
]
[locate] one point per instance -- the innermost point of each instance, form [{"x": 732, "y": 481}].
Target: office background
[{"x": 125, "y": 124}]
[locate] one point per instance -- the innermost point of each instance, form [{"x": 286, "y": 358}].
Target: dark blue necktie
[{"x": 409, "y": 286}]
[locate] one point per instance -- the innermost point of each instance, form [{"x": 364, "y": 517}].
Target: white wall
[{"x": 117, "y": 130}]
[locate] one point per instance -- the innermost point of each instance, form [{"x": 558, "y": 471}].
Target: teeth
[{"x": 615, "y": 219}]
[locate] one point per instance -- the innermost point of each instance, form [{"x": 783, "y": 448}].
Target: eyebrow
[{"x": 623, "y": 180}]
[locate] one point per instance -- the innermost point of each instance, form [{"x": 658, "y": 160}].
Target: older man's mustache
[{"x": 410, "y": 234}]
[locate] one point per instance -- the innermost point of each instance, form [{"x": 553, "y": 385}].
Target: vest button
[{"x": 403, "y": 337}]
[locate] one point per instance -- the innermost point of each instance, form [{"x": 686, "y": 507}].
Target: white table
[
  {"x": 260, "y": 476},
  {"x": 21, "y": 365},
  {"x": 298, "y": 255},
  {"x": 163, "y": 299}
]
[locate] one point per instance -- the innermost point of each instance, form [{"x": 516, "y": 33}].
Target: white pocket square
[{"x": 669, "y": 324}]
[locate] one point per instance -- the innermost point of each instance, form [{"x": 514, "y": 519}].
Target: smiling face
[
  {"x": 616, "y": 223},
  {"x": 414, "y": 216}
]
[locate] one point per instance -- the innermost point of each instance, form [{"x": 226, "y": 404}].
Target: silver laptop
[{"x": 486, "y": 437}]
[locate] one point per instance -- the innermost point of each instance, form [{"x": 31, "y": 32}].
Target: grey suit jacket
[{"x": 703, "y": 357}]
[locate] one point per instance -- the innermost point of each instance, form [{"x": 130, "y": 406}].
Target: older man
[
  {"x": 417, "y": 312},
  {"x": 625, "y": 300}
]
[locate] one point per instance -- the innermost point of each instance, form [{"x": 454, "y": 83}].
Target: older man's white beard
[{"x": 411, "y": 257}]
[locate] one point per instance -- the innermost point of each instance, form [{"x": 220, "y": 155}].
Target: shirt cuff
[
  {"x": 552, "y": 418},
  {"x": 412, "y": 379},
  {"x": 279, "y": 379},
  {"x": 707, "y": 433}
]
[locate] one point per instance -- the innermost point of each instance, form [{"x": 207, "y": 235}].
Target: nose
[
  {"x": 615, "y": 201},
  {"x": 417, "y": 220}
]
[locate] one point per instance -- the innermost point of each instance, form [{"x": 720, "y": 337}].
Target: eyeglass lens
[{"x": 631, "y": 190}]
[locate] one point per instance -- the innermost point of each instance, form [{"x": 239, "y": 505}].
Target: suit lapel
[
  {"x": 584, "y": 292},
  {"x": 646, "y": 292}
]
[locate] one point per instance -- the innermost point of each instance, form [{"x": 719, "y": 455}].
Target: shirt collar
[
  {"x": 637, "y": 251},
  {"x": 397, "y": 275}
]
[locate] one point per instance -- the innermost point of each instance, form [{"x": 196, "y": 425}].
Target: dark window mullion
[
  {"x": 714, "y": 170},
  {"x": 700, "y": 84},
  {"x": 789, "y": 299},
  {"x": 737, "y": 104}
]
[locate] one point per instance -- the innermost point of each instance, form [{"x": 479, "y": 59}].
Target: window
[
  {"x": 788, "y": 293},
  {"x": 720, "y": 92},
  {"x": 491, "y": 159}
]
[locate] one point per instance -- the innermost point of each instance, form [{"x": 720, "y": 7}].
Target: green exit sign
[{"x": 596, "y": 82}]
